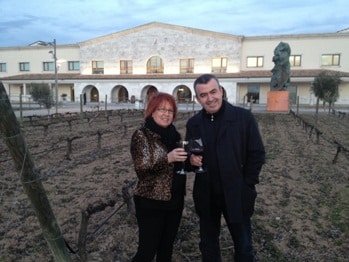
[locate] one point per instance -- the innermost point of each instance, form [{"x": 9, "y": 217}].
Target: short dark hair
[
  {"x": 156, "y": 100},
  {"x": 204, "y": 79}
]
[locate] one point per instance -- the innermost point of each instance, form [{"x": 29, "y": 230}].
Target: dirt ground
[{"x": 302, "y": 209}]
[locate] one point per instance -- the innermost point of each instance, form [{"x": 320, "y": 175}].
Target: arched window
[
  {"x": 94, "y": 95},
  {"x": 183, "y": 94},
  {"x": 123, "y": 94},
  {"x": 155, "y": 65}
]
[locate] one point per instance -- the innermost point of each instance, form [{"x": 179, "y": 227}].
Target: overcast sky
[{"x": 23, "y": 22}]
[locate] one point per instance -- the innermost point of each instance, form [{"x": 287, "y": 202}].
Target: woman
[{"x": 159, "y": 194}]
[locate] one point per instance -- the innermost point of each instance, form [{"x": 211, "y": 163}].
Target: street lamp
[{"x": 54, "y": 54}]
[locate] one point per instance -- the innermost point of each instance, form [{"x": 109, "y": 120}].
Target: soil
[{"x": 301, "y": 214}]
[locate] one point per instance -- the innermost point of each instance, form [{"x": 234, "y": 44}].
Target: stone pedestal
[{"x": 278, "y": 101}]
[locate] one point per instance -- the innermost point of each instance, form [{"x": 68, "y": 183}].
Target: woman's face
[{"x": 163, "y": 115}]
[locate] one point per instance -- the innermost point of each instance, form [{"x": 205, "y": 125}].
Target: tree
[
  {"x": 325, "y": 87},
  {"x": 42, "y": 94}
]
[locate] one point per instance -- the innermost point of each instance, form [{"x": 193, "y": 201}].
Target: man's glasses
[{"x": 164, "y": 110}]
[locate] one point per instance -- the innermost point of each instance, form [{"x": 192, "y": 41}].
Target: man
[{"x": 233, "y": 157}]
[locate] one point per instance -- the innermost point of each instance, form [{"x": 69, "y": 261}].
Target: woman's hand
[
  {"x": 195, "y": 160},
  {"x": 177, "y": 155}
]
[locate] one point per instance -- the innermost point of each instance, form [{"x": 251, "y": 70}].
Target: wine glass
[
  {"x": 196, "y": 147},
  {"x": 182, "y": 144}
]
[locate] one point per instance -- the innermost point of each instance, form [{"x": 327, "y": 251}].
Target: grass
[{"x": 339, "y": 211}]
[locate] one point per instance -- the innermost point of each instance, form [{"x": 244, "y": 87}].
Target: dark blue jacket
[{"x": 240, "y": 155}]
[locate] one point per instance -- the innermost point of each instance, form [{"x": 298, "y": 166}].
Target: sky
[{"x": 24, "y": 22}]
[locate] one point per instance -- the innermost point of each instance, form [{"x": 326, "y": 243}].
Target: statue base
[{"x": 278, "y": 101}]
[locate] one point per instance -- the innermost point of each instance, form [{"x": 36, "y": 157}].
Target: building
[{"x": 129, "y": 65}]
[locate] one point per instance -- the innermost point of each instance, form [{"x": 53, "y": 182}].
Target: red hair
[{"x": 156, "y": 100}]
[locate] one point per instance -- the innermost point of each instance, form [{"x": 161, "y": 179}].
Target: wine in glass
[
  {"x": 182, "y": 144},
  {"x": 196, "y": 147}
]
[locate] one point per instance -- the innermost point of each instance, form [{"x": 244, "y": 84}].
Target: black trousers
[
  {"x": 157, "y": 233},
  {"x": 210, "y": 230}
]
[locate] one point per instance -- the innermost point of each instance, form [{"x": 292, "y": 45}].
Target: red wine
[{"x": 197, "y": 151}]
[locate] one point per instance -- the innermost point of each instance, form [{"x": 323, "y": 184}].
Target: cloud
[{"x": 79, "y": 20}]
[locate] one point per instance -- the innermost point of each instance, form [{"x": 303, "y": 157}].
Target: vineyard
[{"x": 302, "y": 210}]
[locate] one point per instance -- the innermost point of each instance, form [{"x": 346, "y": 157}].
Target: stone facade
[{"x": 171, "y": 43}]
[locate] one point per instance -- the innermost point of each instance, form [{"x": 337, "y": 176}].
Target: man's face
[{"x": 210, "y": 96}]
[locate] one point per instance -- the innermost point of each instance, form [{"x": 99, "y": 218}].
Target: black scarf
[
  {"x": 215, "y": 116},
  {"x": 169, "y": 135}
]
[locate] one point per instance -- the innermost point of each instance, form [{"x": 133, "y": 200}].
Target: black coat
[{"x": 240, "y": 155}]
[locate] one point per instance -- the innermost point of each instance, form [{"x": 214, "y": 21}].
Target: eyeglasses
[{"x": 164, "y": 110}]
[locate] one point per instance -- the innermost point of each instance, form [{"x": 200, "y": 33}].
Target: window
[
  {"x": 73, "y": 65},
  {"x": 49, "y": 66},
  {"x": 295, "y": 60},
  {"x": 2, "y": 67},
  {"x": 253, "y": 94},
  {"x": 155, "y": 65},
  {"x": 126, "y": 67},
  {"x": 186, "y": 65},
  {"x": 255, "y": 61},
  {"x": 330, "y": 60},
  {"x": 97, "y": 67},
  {"x": 183, "y": 94},
  {"x": 24, "y": 66},
  {"x": 292, "y": 89},
  {"x": 219, "y": 65}
]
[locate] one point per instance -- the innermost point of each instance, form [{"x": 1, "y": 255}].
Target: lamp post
[{"x": 54, "y": 54}]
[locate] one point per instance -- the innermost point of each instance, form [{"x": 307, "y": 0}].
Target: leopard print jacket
[{"x": 151, "y": 165}]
